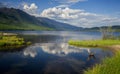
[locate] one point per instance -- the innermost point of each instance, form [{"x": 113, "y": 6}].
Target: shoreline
[
  {"x": 109, "y": 65},
  {"x": 115, "y": 47},
  {"x": 112, "y": 44}
]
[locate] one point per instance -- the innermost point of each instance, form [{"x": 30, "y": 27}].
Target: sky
[{"x": 81, "y": 13}]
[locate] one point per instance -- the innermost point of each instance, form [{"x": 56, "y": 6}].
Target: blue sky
[{"x": 83, "y": 13}]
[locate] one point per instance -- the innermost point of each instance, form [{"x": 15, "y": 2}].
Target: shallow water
[{"x": 50, "y": 54}]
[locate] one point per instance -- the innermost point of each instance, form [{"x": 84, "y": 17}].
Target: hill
[
  {"x": 57, "y": 25},
  {"x": 115, "y": 27},
  {"x": 16, "y": 19}
]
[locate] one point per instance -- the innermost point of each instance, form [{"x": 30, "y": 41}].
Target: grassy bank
[
  {"x": 108, "y": 66},
  {"x": 11, "y": 42},
  {"x": 94, "y": 43}
]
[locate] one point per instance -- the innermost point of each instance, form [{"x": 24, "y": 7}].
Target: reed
[{"x": 108, "y": 66}]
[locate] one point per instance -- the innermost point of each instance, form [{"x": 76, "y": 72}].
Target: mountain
[
  {"x": 57, "y": 25},
  {"x": 114, "y": 27},
  {"x": 16, "y": 19}
]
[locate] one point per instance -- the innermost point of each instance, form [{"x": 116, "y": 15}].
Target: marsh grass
[
  {"x": 11, "y": 42},
  {"x": 108, "y": 66},
  {"x": 94, "y": 43}
]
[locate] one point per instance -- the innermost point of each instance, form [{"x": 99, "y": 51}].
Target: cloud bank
[
  {"x": 76, "y": 17},
  {"x": 79, "y": 17},
  {"x": 69, "y": 1},
  {"x": 30, "y": 8}
]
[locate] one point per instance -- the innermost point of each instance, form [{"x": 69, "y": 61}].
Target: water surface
[{"x": 50, "y": 54}]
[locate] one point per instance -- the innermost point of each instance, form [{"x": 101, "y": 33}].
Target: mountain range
[{"x": 16, "y": 19}]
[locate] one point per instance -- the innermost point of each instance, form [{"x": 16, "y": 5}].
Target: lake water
[{"x": 50, "y": 54}]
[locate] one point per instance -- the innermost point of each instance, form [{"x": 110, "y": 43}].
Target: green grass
[
  {"x": 94, "y": 43},
  {"x": 11, "y": 42},
  {"x": 108, "y": 66}
]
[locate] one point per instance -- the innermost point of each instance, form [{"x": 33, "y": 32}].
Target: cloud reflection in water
[
  {"x": 30, "y": 51},
  {"x": 59, "y": 49}
]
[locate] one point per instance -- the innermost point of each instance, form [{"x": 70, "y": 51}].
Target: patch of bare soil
[{"x": 116, "y": 47}]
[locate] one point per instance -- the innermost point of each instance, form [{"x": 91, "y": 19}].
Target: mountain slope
[
  {"x": 57, "y": 25},
  {"x": 15, "y": 19},
  {"x": 11, "y": 19}
]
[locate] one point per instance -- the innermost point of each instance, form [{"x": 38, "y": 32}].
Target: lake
[{"x": 50, "y": 54}]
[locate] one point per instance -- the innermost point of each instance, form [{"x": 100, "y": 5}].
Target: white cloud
[
  {"x": 31, "y": 9},
  {"x": 75, "y": 1},
  {"x": 79, "y": 17},
  {"x": 61, "y": 6},
  {"x": 69, "y": 1},
  {"x": 65, "y": 13}
]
